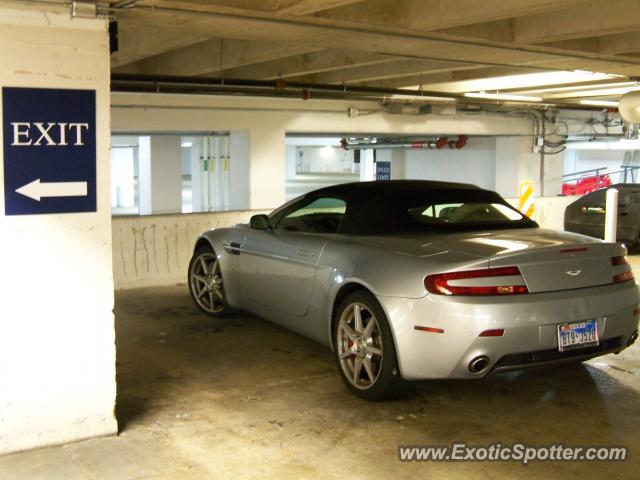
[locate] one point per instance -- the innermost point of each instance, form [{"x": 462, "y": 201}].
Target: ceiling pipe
[
  {"x": 178, "y": 84},
  {"x": 121, "y": 82},
  {"x": 437, "y": 143}
]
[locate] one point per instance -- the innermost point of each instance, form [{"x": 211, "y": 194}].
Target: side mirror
[{"x": 259, "y": 222}]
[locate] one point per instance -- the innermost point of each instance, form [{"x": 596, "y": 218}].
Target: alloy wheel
[
  {"x": 206, "y": 283},
  {"x": 359, "y": 344}
]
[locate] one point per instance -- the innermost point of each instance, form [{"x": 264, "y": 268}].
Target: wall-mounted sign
[
  {"x": 383, "y": 170},
  {"x": 49, "y": 150}
]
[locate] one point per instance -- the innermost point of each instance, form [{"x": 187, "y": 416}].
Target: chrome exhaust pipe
[{"x": 479, "y": 364}]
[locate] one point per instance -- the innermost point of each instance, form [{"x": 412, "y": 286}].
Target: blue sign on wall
[
  {"x": 383, "y": 170},
  {"x": 49, "y": 150}
]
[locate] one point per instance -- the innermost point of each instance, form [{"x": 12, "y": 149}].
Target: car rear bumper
[{"x": 529, "y": 323}]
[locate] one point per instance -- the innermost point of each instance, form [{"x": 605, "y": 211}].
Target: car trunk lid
[
  {"x": 548, "y": 263},
  {"x": 548, "y": 260}
]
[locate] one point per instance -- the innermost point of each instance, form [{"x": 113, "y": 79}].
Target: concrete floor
[{"x": 242, "y": 398}]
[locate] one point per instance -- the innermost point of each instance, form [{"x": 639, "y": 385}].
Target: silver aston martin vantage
[{"x": 409, "y": 280}]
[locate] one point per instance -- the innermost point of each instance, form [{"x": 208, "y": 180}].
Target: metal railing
[
  {"x": 584, "y": 174},
  {"x": 626, "y": 170},
  {"x": 626, "y": 173}
]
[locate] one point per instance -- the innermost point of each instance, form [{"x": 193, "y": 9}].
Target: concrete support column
[
  {"x": 516, "y": 162},
  {"x": 267, "y": 168},
  {"x": 553, "y": 170},
  {"x": 239, "y": 161},
  {"x": 160, "y": 179},
  {"x": 367, "y": 166},
  {"x": 224, "y": 150},
  {"x": 257, "y": 169},
  {"x": 57, "y": 341},
  {"x": 396, "y": 157},
  {"x": 197, "y": 174}
]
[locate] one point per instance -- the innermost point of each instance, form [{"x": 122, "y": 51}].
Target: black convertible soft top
[
  {"x": 389, "y": 187},
  {"x": 383, "y": 207}
]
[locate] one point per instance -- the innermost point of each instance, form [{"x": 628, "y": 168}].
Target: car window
[
  {"x": 322, "y": 215},
  {"x": 468, "y": 212}
]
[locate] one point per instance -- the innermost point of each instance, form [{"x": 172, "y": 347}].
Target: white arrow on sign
[{"x": 36, "y": 189}]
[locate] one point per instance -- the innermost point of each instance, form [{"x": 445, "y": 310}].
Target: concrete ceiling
[{"x": 444, "y": 46}]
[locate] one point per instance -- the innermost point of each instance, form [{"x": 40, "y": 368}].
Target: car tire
[
  {"x": 363, "y": 349},
  {"x": 206, "y": 285}
]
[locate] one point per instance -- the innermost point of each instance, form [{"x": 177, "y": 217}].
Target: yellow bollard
[{"x": 526, "y": 204}]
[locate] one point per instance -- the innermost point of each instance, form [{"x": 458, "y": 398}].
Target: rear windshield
[
  {"x": 447, "y": 210},
  {"x": 463, "y": 212}
]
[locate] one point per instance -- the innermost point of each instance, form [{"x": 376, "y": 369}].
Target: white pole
[{"x": 611, "y": 217}]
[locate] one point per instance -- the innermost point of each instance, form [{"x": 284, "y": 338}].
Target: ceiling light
[
  {"x": 420, "y": 98},
  {"x": 599, "y": 103},
  {"x": 622, "y": 144},
  {"x": 576, "y": 88},
  {"x": 519, "y": 81},
  {"x": 501, "y": 96},
  {"x": 604, "y": 92},
  {"x": 187, "y": 144}
]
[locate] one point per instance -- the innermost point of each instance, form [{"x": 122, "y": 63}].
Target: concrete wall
[
  {"x": 516, "y": 162},
  {"x": 473, "y": 164},
  {"x": 57, "y": 352},
  {"x": 166, "y": 175},
  {"x": 549, "y": 211},
  {"x": 155, "y": 250}
]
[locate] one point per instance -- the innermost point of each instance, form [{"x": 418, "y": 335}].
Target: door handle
[
  {"x": 306, "y": 253},
  {"x": 232, "y": 247}
]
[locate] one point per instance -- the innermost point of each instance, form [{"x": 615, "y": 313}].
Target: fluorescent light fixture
[
  {"x": 417, "y": 98},
  {"x": 603, "y": 92},
  {"x": 421, "y": 98},
  {"x": 599, "y": 103},
  {"x": 525, "y": 80},
  {"x": 503, "y": 96},
  {"x": 577, "y": 88},
  {"x": 187, "y": 144},
  {"x": 622, "y": 144}
]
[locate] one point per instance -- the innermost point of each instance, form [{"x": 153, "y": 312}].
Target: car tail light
[
  {"x": 496, "y": 332},
  {"x": 439, "y": 284},
  {"x": 622, "y": 276},
  {"x": 616, "y": 261}
]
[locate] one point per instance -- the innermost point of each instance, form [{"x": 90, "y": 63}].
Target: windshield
[{"x": 432, "y": 211}]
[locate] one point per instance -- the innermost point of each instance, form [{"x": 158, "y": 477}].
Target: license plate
[{"x": 577, "y": 335}]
